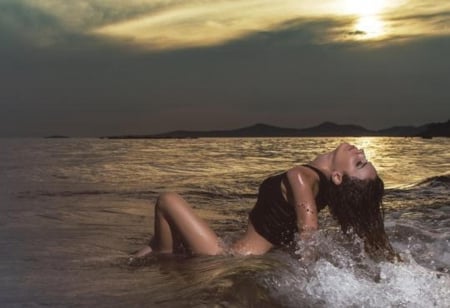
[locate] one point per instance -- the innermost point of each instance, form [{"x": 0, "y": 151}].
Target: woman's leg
[{"x": 175, "y": 222}]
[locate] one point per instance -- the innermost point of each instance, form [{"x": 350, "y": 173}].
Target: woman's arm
[{"x": 301, "y": 194}]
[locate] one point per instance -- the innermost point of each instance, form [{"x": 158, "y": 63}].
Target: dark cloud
[
  {"x": 76, "y": 84},
  {"x": 20, "y": 25},
  {"x": 357, "y": 32},
  {"x": 422, "y": 17}
]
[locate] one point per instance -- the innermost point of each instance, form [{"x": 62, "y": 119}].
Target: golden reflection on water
[
  {"x": 380, "y": 152},
  {"x": 402, "y": 162},
  {"x": 369, "y": 145},
  {"x": 374, "y": 149}
]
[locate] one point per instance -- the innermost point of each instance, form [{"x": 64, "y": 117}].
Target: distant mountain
[
  {"x": 329, "y": 129},
  {"x": 326, "y": 129},
  {"x": 401, "y": 131},
  {"x": 257, "y": 130},
  {"x": 261, "y": 129},
  {"x": 435, "y": 130}
]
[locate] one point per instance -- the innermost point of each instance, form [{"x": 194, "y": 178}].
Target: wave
[
  {"x": 137, "y": 194},
  {"x": 435, "y": 184},
  {"x": 229, "y": 195},
  {"x": 329, "y": 270},
  {"x": 67, "y": 193},
  {"x": 435, "y": 181},
  {"x": 430, "y": 189}
]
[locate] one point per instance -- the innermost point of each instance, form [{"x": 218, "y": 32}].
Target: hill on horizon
[{"x": 325, "y": 129}]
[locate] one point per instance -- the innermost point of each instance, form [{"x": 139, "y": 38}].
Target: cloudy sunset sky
[{"x": 104, "y": 67}]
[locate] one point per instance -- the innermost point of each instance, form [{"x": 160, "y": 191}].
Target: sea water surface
[{"x": 72, "y": 210}]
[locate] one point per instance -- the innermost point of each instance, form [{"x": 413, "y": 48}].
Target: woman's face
[{"x": 348, "y": 159}]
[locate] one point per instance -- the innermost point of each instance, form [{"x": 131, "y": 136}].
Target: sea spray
[{"x": 340, "y": 278}]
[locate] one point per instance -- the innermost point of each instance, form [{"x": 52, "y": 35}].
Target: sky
[{"x": 109, "y": 67}]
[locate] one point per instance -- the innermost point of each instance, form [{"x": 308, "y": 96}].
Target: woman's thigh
[{"x": 193, "y": 231}]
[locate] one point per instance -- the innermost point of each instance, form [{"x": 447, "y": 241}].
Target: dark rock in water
[{"x": 56, "y": 137}]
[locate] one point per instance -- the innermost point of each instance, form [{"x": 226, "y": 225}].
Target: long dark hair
[{"x": 357, "y": 204}]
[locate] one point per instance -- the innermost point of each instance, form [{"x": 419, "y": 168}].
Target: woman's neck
[{"x": 323, "y": 162}]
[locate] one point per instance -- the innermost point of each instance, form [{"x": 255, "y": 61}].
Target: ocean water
[{"x": 72, "y": 210}]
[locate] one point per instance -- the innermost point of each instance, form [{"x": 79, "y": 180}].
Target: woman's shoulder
[{"x": 304, "y": 173}]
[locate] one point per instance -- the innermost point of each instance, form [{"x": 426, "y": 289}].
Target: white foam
[
  {"x": 357, "y": 282},
  {"x": 401, "y": 285}
]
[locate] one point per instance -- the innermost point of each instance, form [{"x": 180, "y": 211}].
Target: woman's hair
[{"x": 357, "y": 204}]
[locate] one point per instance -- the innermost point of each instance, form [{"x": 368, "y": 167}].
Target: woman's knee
[{"x": 168, "y": 200}]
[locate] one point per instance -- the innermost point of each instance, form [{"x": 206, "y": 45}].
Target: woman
[{"x": 287, "y": 203}]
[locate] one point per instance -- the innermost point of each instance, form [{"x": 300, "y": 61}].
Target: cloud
[
  {"x": 25, "y": 23},
  {"x": 21, "y": 25},
  {"x": 85, "y": 14},
  {"x": 203, "y": 23},
  {"x": 158, "y": 25},
  {"x": 296, "y": 72},
  {"x": 207, "y": 23}
]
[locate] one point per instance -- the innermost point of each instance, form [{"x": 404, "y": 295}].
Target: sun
[{"x": 369, "y": 24}]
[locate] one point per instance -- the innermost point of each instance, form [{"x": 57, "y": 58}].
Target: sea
[{"x": 73, "y": 210}]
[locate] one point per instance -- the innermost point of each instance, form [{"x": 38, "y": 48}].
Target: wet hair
[{"x": 357, "y": 205}]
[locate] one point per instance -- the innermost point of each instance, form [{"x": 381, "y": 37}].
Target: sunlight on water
[
  {"x": 73, "y": 210},
  {"x": 401, "y": 161}
]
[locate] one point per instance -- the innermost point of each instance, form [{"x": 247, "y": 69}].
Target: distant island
[
  {"x": 56, "y": 137},
  {"x": 326, "y": 129}
]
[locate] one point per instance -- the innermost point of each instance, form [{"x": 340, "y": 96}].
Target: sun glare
[
  {"x": 369, "y": 24},
  {"x": 364, "y": 7}
]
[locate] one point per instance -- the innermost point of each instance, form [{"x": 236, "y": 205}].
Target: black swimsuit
[{"x": 273, "y": 217}]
